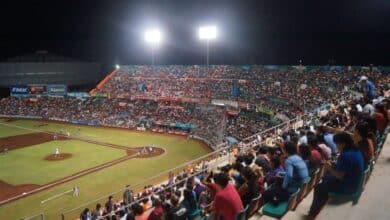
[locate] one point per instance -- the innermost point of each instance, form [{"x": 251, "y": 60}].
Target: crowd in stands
[
  {"x": 142, "y": 95},
  {"x": 206, "y": 120},
  {"x": 342, "y": 143},
  {"x": 252, "y": 84}
]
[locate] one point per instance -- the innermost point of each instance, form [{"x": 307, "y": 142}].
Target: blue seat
[
  {"x": 354, "y": 197},
  {"x": 281, "y": 209}
]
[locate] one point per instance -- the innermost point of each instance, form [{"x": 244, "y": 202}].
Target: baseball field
[{"x": 41, "y": 160}]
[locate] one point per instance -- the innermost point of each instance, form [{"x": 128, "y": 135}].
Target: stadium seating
[{"x": 182, "y": 99}]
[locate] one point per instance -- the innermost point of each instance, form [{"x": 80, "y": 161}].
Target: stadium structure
[
  {"x": 45, "y": 68},
  {"x": 160, "y": 130}
]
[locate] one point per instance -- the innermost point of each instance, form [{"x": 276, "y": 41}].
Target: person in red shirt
[
  {"x": 158, "y": 211},
  {"x": 381, "y": 118},
  {"x": 227, "y": 202}
]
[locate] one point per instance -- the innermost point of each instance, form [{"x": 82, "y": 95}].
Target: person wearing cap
[{"x": 368, "y": 87}]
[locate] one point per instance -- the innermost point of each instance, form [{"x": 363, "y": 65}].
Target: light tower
[
  {"x": 207, "y": 33},
  {"x": 153, "y": 37}
]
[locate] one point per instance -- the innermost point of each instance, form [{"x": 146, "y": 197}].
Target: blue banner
[
  {"x": 19, "y": 90},
  {"x": 78, "y": 94},
  {"x": 56, "y": 90}
]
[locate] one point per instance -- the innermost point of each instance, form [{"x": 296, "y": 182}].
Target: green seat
[
  {"x": 279, "y": 210},
  {"x": 354, "y": 197},
  {"x": 195, "y": 215}
]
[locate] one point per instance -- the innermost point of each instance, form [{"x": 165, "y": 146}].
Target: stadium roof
[{"x": 40, "y": 56}]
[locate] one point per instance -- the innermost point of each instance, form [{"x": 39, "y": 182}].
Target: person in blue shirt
[
  {"x": 297, "y": 172},
  {"x": 344, "y": 177},
  {"x": 295, "y": 176},
  {"x": 328, "y": 138},
  {"x": 368, "y": 87}
]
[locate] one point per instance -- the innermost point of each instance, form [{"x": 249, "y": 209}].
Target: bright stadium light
[
  {"x": 207, "y": 33},
  {"x": 153, "y": 37},
  {"x": 117, "y": 67}
]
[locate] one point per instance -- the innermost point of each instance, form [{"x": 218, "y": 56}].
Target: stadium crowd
[
  {"x": 341, "y": 144},
  {"x": 145, "y": 96}
]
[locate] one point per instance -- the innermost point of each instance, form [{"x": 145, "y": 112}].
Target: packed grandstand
[
  {"x": 210, "y": 102},
  {"x": 228, "y": 104}
]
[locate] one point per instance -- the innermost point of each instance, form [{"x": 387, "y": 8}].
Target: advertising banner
[
  {"x": 56, "y": 90},
  {"x": 264, "y": 110},
  {"x": 78, "y": 94},
  {"x": 19, "y": 90},
  {"x": 100, "y": 95},
  {"x": 37, "y": 89}
]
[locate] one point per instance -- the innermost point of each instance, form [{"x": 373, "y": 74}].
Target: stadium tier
[
  {"x": 231, "y": 108},
  {"x": 189, "y": 98}
]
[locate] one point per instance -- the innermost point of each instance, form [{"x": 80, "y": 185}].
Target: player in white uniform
[
  {"x": 57, "y": 152},
  {"x": 75, "y": 191}
]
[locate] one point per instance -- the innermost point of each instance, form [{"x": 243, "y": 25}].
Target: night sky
[{"x": 250, "y": 32}]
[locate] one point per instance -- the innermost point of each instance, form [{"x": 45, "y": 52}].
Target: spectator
[
  {"x": 343, "y": 178},
  {"x": 128, "y": 196},
  {"x": 367, "y": 87},
  {"x": 250, "y": 189},
  {"x": 364, "y": 144},
  {"x": 97, "y": 212},
  {"x": 138, "y": 212},
  {"x": 175, "y": 209},
  {"x": 277, "y": 169},
  {"x": 189, "y": 202},
  {"x": 296, "y": 175},
  {"x": 329, "y": 140},
  {"x": 227, "y": 202},
  {"x": 326, "y": 151},
  {"x": 380, "y": 116},
  {"x": 262, "y": 159},
  {"x": 158, "y": 211},
  {"x": 307, "y": 156},
  {"x": 85, "y": 215},
  {"x": 109, "y": 205}
]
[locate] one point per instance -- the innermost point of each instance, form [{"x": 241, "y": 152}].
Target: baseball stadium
[{"x": 82, "y": 140}]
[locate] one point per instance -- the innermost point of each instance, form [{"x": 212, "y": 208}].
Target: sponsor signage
[
  {"x": 37, "y": 89},
  {"x": 78, "y": 94},
  {"x": 56, "y": 90},
  {"x": 19, "y": 90},
  {"x": 100, "y": 94}
]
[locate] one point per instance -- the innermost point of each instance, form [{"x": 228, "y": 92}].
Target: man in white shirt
[
  {"x": 57, "y": 152},
  {"x": 369, "y": 108}
]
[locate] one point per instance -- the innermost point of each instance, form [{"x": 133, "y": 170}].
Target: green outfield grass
[
  {"x": 6, "y": 131},
  {"x": 178, "y": 150},
  {"x": 33, "y": 169}
]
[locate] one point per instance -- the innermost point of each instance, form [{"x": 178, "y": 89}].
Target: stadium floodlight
[
  {"x": 207, "y": 33},
  {"x": 117, "y": 67},
  {"x": 153, "y": 37}
]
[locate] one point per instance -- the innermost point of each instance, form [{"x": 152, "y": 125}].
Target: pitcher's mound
[{"x": 63, "y": 156}]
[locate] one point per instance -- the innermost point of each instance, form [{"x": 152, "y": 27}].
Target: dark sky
[{"x": 250, "y": 32}]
